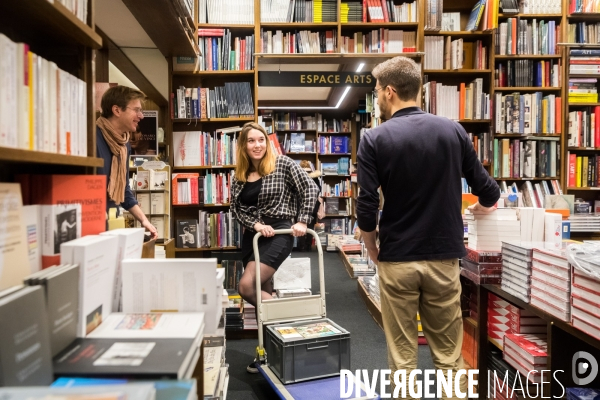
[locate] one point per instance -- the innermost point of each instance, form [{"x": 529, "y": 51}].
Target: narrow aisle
[{"x": 345, "y": 307}]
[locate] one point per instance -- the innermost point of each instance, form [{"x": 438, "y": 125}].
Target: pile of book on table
[
  {"x": 585, "y": 288},
  {"x": 527, "y": 352},
  {"x": 551, "y": 281},
  {"x": 505, "y": 318},
  {"x": 361, "y": 265},
  {"x": 516, "y": 268},
  {"x": 482, "y": 266},
  {"x": 487, "y": 231}
]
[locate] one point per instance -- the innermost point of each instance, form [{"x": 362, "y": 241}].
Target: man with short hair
[
  {"x": 121, "y": 113},
  {"x": 417, "y": 159}
]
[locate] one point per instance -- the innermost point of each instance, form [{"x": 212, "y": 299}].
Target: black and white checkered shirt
[{"x": 282, "y": 191}]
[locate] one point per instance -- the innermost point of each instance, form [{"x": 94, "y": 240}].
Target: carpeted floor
[{"x": 346, "y": 308}]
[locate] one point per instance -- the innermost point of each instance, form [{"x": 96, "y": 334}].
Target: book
[
  {"x": 132, "y": 391},
  {"x": 151, "y": 359},
  {"x": 87, "y": 190},
  {"x": 161, "y": 285},
  {"x": 131, "y": 243},
  {"x": 187, "y": 234},
  {"x": 62, "y": 303},
  {"x": 151, "y": 326},
  {"x": 33, "y": 229},
  {"x": 531, "y": 347},
  {"x": 97, "y": 257},
  {"x": 25, "y": 358},
  {"x": 184, "y": 389},
  {"x": 316, "y": 330},
  {"x": 13, "y": 240},
  {"x": 60, "y": 224}
]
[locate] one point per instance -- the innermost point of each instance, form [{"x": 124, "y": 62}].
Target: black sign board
[{"x": 315, "y": 79}]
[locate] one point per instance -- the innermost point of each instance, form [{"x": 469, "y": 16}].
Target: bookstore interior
[{"x": 136, "y": 313}]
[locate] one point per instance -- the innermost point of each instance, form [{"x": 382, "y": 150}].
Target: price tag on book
[
  {"x": 590, "y": 148},
  {"x": 154, "y": 165}
]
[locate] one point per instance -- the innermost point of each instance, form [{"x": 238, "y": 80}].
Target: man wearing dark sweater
[{"x": 417, "y": 159}]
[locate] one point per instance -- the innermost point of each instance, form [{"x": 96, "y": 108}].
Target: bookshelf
[
  {"x": 581, "y": 147},
  {"x": 57, "y": 35}
]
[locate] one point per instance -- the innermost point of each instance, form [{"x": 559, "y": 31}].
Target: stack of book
[
  {"x": 584, "y": 126},
  {"x": 219, "y": 230},
  {"x": 527, "y": 354},
  {"x": 234, "y": 313},
  {"x": 482, "y": 266},
  {"x": 361, "y": 266},
  {"x": 585, "y": 296},
  {"x": 585, "y": 222},
  {"x": 516, "y": 268},
  {"x": 505, "y": 318},
  {"x": 250, "y": 321},
  {"x": 221, "y": 52},
  {"x": 583, "y": 32},
  {"x": 374, "y": 290},
  {"x": 194, "y": 149},
  {"x": 583, "y": 90},
  {"x": 350, "y": 11},
  {"x": 350, "y": 245},
  {"x": 447, "y": 54},
  {"x": 150, "y": 346},
  {"x": 551, "y": 282},
  {"x": 380, "y": 41},
  {"x": 528, "y": 73},
  {"x": 528, "y": 113},
  {"x": 500, "y": 368},
  {"x": 233, "y": 100},
  {"x": 521, "y": 36},
  {"x": 470, "y": 343},
  {"x": 299, "y": 42},
  {"x": 468, "y": 299},
  {"x": 226, "y": 12},
  {"x": 488, "y": 231},
  {"x": 584, "y": 62},
  {"x": 216, "y": 372},
  {"x": 466, "y": 101}
]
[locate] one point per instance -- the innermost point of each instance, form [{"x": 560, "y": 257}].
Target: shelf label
[{"x": 154, "y": 165}]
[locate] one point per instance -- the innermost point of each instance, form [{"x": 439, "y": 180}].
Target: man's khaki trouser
[{"x": 433, "y": 289}]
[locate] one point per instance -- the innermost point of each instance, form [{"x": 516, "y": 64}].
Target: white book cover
[
  {"x": 82, "y": 117},
  {"x": 526, "y": 220},
  {"x": 294, "y": 273},
  {"x": 157, "y": 203},
  {"x": 150, "y": 326},
  {"x": 159, "y": 223},
  {"x": 553, "y": 229},
  {"x": 14, "y": 265},
  {"x": 60, "y": 224},
  {"x": 537, "y": 231},
  {"x": 186, "y": 284},
  {"x": 159, "y": 180},
  {"x": 8, "y": 92},
  {"x": 143, "y": 200},
  {"x": 33, "y": 230},
  {"x": 97, "y": 259},
  {"x": 23, "y": 96},
  {"x": 52, "y": 115},
  {"x": 63, "y": 122},
  {"x": 142, "y": 180},
  {"x": 131, "y": 242},
  {"x": 73, "y": 115},
  {"x": 186, "y": 148}
]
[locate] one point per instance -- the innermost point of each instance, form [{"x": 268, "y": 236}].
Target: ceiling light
[{"x": 360, "y": 67}]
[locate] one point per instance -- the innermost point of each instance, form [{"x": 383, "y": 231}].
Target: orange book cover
[
  {"x": 468, "y": 199},
  {"x": 558, "y": 115},
  {"x": 87, "y": 190},
  {"x": 175, "y": 189}
]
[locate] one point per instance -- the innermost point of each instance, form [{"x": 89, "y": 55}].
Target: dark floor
[{"x": 344, "y": 307}]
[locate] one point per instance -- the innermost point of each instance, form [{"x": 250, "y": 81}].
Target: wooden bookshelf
[
  {"x": 38, "y": 157},
  {"x": 215, "y": 73},
  {"x": 456, "y": 71},
  {"x": 200, "y": 249},
  {"x": 528, "y": 57},
  {"x": 57, "y": 35},
  {"x": 373, "y": 307},
  {"x": 527, "y": 89}
]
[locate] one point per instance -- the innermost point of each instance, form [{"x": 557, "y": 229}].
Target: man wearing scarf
[{"x": 121, "y": 113}]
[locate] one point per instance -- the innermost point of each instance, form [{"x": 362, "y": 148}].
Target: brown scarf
[{"x": 117, "y": 142}]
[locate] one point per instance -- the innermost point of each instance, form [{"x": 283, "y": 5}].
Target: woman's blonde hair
[{"x": 267, "y": 164}]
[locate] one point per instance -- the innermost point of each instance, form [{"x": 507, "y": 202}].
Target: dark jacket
[
  {"x": 418, "y": 160},
  {"x": 103, "y": 151}
]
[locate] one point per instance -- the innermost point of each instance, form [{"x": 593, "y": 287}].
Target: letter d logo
[{"x": 581, "y": 367}]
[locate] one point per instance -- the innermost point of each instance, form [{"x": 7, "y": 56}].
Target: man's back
[{"x": 418, "y": 159}]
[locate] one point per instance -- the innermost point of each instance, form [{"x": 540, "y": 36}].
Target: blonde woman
[{"x": 268, "y": 192}]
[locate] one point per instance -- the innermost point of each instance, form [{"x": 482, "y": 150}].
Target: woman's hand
[
  {"x": 153, "y": 232},
  {"x": 265, "y": 230},
  {"x": 299, "y": 229}
]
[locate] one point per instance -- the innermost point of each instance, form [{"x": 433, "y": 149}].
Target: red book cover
[
  {"x": 87, "y": 190},
  {"x": 175, "y": 189},
  {"x": 194, "y": 189},
  {"x": 597, "y": 126},
  {"x": 386, "y": 17},
  {"x": 364, "y": 11},
  {"x": 572, "y": 165},
  {"x": 532, "y": 348}
]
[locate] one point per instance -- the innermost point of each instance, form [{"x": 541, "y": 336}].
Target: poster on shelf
[{"x": 144, "y": 141}]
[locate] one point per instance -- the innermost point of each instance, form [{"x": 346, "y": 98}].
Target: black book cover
[
  {"x": 126, "y": 358},
  {"x": 62, "y": 301},
  {"x": 25, "y": 358},
  {"x": 187, "y": 233}
]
